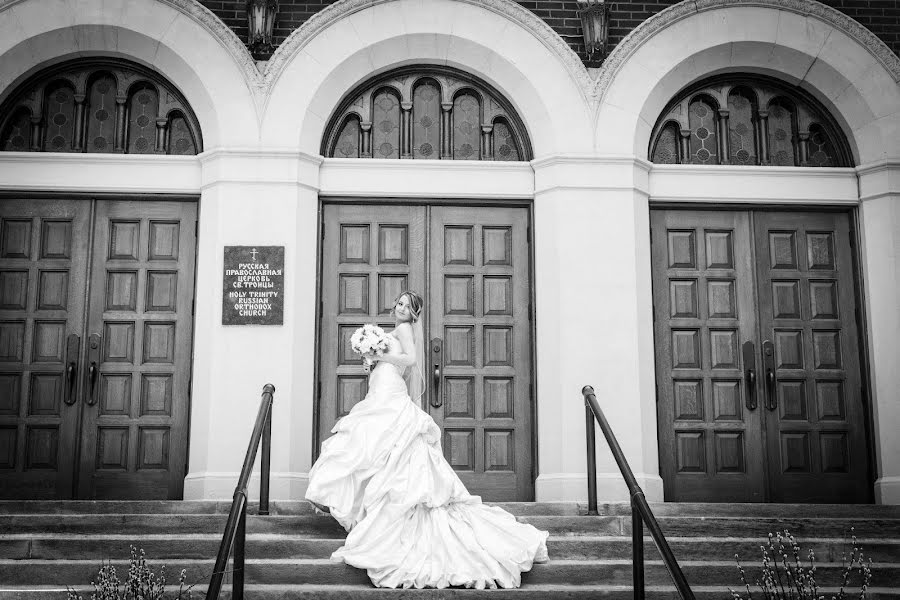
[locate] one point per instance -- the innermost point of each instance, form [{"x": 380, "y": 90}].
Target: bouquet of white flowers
[{"x": 368, "y": 341}]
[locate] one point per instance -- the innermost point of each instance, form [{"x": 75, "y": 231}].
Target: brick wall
[{"x": 882, "y": 17}]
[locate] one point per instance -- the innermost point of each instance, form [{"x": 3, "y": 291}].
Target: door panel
[
  {"x": 140, "y": 324},
  {"x": 794, "y": 318},
  {"x": 479, "y": 304},
  {"x": 43, "y": 250},
  {"x": 471, "y": 265},
  {"x": 709, "y": 430},
  {"x": 815, "y": 423}
]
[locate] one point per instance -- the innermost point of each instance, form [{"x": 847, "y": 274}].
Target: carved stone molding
[
  {"x": 506, "y": 8},
  {"x": 830, "y": 16},
  {"x": 209, "y": 21}
]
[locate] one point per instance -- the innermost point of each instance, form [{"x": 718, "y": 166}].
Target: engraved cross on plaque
[{"x": 253, "y": 254}]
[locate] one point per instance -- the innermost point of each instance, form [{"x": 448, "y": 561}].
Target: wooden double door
[
  {"x": 759, "y": 386},
  {"x": 471, "y": 265},
  {"x": 95, "y": 337}
]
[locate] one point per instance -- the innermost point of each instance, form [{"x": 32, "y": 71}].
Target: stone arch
[
  {"x": 852, "y": 73},
  {"x": 497, "y": 41},
  {"x": 180, "y": 39}
]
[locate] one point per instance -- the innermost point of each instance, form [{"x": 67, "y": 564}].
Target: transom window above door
[
  {"x": 747, "y": 120},
  {"x": 426, "y": 112},
  {"x": 98, "y": 106}
]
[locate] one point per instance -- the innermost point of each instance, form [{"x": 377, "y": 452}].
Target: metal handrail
[
  {"x": 640, "y": 509},
  {"x": 236, "y": 527}
]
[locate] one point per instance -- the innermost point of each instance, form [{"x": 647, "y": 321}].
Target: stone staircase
[{"x": 45, "y": 546}]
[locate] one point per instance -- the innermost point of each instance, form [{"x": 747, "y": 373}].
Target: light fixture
[
  {"x": 261, "y": 23},
  {"x": 594, "y": 15}
]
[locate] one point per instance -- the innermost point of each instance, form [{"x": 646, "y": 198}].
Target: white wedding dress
[{"x": 411, "y": 521}]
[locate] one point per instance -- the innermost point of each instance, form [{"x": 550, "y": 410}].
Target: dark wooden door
[
  {"x": 98, "y": 392},
  {"x": 815, "y": 430},
  {"x": 43, "y": 266},
  {"x": 710, "y": 432},
  {"x": 134, "y": 439},
  {"x": 472, "y": 266},
  {"x": 758, "y": 372}
]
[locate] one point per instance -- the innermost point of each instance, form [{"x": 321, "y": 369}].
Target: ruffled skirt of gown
[{"x": 411, "y": 521}]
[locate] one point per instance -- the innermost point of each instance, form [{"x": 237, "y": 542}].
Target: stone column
[
  {"x": 592, "y": 264},
  {"x": 724, "y": 150},
  {"x": 78, "y": 132},
  {"x": 161, "y": 126},
  {"x": 487, "y": 142},
  {"x": 684, "y": 147},
  {"x": 232, "y": 363},
  {"x": 120, "y": 123},
  {"x": 763, "y": 126},
  {"x": 405, "y": 130},
  {"x": 446, "y": 130},
  {"x": 35, "y": 134},
  {"x": 879, "y": 212}
]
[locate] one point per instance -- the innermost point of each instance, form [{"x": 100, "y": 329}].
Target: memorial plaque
[{"x": 253, "y": 285}]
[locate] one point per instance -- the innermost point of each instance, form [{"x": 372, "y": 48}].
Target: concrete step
[
  {"x": 617, "y": 509},
  {"x": 211, "y": 507},
  {"x": 367, "y": 592},
  {"x": 325, "y": 526},
  {"x": 323, "y": 572},
  {"x": 259, "y": 546}
]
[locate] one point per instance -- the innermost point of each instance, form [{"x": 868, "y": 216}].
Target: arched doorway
[
  {"x": 96, "y": 295},
  {"x": 758, "y": 346},
  {"x": 470, "y": 260}
]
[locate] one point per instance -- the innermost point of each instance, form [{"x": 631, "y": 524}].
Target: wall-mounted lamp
[
  {"x": 261, "y": 23},
  {"x": 594, "y": 15}
]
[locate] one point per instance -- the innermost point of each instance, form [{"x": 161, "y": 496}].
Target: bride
[{"x": 383, "y": 476}]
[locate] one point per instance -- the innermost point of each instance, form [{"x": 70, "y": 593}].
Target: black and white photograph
[{"x": 449, "y": 299}]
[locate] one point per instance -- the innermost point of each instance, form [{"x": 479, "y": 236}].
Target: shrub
[
  {"x": 141, "y": 583},
  {"x": 786, "y": 576}
]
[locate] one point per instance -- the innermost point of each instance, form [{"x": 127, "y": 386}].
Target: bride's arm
[{"x": 406, "y": 356}]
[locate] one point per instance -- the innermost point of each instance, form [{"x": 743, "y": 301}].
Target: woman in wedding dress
[{"x": 382, "y": 475}]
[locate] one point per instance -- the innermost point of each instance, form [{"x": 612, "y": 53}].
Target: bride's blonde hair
[{"x": 415, "y": 303}]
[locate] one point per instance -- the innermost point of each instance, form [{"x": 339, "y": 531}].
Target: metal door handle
[
  {"x": 437, "y": 361},
  {"x": 93, "y": 371},
  {"x": 750, "y": 374},
  {"x": 92, "y": 380},
  {"x": 771, "y": 387},
  {"x": 73, "y": 349}
]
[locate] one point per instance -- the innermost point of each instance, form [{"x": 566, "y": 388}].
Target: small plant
[
  {"x": 785, "y": 576},
  {"x": 141, "y": 584}
]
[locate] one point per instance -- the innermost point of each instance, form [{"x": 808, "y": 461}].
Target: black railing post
[
  {"x": 265, "y": 466},
  {"x": 637, "y": 550},
  {"x": 235, "y": 534},
  {"x": 640, "y": 509},
  {"x": 591, "y": 458},
  {"x": 237, "y": 586}
]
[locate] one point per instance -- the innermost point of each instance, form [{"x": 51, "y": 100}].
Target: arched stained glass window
[
  {"x": 101, "y": 114},
  {"x": 466, "y": 127},
  {"x": 180, "y": 140},
  {"x": 60, "y": 118},
  {"x": 17, "y": 133},
  {"x": 741, "y": 138},
  {"x": 426, "y": 112},
  {"x": 504, "y": 144},
  {"x": 143, "y": 108},
  {"x": 782, "y": 147},
  {"x": 821, "y": 149},
  {"x": 703, "y": 131},
  {"x": 347, "y": 145},
  {"x": 386, "y": 125},
  {"x": 99, "y": 105},
  {"x": 748, "y": 120},
  {"x": 666, "y": 150}
]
